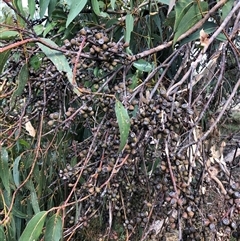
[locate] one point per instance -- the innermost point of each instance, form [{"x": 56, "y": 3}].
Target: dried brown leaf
[
  {"x": 31, "y": 131},
  {"x": 204, "y": 40}
]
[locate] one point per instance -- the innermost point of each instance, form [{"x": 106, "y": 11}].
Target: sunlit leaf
[
  {"x": 30, "y": 129},
  {"x": 4, "y": 169},
  {"x": 16, "y": 176},
  {"x": 123, "y": 123},
  {"x": 22, "y": 80},
  {"x": 34, "y": 227},
  {"x": 3, "y": 59},
  {"x": 75, "y": 8},
  {"x": 53, "y": 228},
  {"x": 43, "y": 4}
]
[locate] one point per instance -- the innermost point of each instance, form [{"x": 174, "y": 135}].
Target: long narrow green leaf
[
  {"x": 34, "y": 199},
  {"x": 123, "y": 123},
  {"x": 227, "y": 7},
  {"x": 143, "y": 65},
  {"x": 58, "y": 58},
  {"x": 22, "y": 80},
  {"x": 181, "y": 9},
  {"x": 43, "y": 4},
  {"x": 53, "y": 228},
  {"x": 7, "y": 35},
  {"x": 51, "y": 6},
  {"x": 96, "y": 9},
  {"x": 19, "y": 214},
  {"x": 76, "y": 7},
  {"x": 3, "y": 59},
  {"x": 129, "y": 27},
  {"x": 31, "y": 8},
  {"x": 193, "y": 15},
  {"x": 4, "y": 169},
  {"x": 16, "y": 175},
  {"x": 34, "y": 227},
  {"x": 2, "y": 234}
]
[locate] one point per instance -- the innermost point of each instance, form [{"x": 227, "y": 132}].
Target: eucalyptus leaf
[
  {"x": 53, "y": 228},
  {"x": 4, "y": 169},
  {"x": 3, "y": 59},
  {"x": 34, "y": 227},
  {"x": 96, "y": 9},
  {"x": 123, "y": 120},
  {"x": 75, "y": 8},
  {"x": 16, "y": 174},
  {"x": 226, "y": 8},
  {"x": 2, "y": 234},
  {"x": 7, "y": 34},
  {"x": 129, "y": 27},
  {"x": 57, "y": 57},
  {"x": 31, "y": 8},
  {"x": 181, "y": 9},
  {"x": 193, "y": 15},
  {"x": 51, "y": 6},
  {"x": 143, "y": 65},
  {"x": 43, "y": 4},
  {"x": 34, "y": 199},
  {"x": 38, "y": 29}
]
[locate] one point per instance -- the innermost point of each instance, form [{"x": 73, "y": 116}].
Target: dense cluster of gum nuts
[{"x": 142, "y": 191}]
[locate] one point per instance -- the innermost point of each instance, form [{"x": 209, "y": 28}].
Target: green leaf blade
[
  {"x": 123, "y": 120},
  {"x": 53, "y": 228},
  {"x": 143, "y": 65},
  {"x": 193, "y": 15},
  {"x": 129, "y": 27},
  {"x": 227, "y": 7},
  {"x": 96, "y": 9},
  {"x": 58, "y": 58},
  {"x": 43, "y": 4},
  {"x": 75, "y": 8},
  {"x": 34, "y": 227},
  {"x": 31, "y": 8},
  {"x": 3, "y": 59},
  {"x": 4, "y": 169},
  {"x": 182, "y": 8},
  {"x": 16, "y": 174}
]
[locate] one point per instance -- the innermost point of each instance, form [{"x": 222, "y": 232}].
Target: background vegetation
[{"x": 119, "y": 120}]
